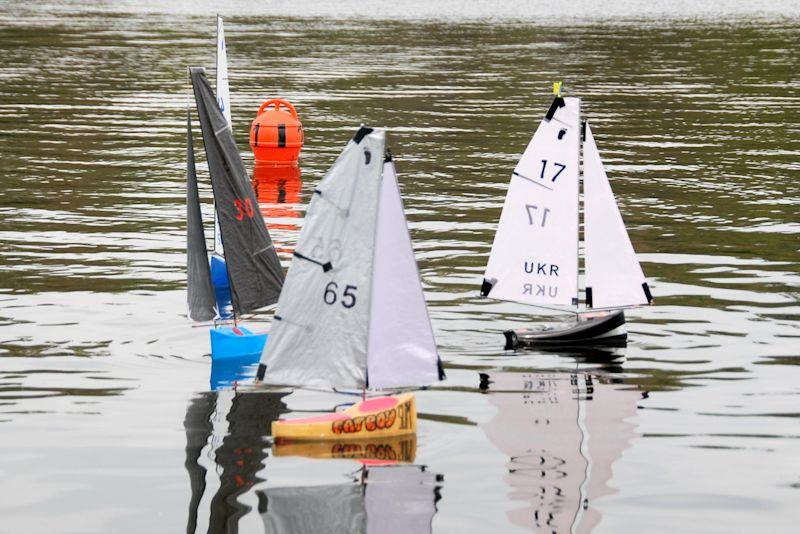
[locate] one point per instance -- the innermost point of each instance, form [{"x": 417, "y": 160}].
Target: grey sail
[
  {"x": 254, "y": 271},
  {"x": 198, "y": 274},
  {"x": 320, "y": 334}
]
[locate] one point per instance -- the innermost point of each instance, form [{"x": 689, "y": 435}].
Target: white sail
[
  {"x": 534, "y": 258},
  {"x": 319, "y": 336},
  {"x": 401, "y": 349},
  {"x": 614, "y": 277},
  {"x": 223, "y": 91},
  {"x": 224, "y": 102}
]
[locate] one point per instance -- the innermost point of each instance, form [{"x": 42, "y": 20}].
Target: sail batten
[
  {"x": 614, "y": 278},
  {"x": 540, "y": 210},
  {"x": 254, "y": 270},
  {"x": 200, "y": 291}
]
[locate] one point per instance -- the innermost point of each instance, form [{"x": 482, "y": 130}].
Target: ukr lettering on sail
[
  {"x": 540, "y": 290},
  {"x": 544, "y": 269}
]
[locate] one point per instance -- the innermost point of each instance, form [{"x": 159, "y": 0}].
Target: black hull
[{"x": 594, "y": 332}]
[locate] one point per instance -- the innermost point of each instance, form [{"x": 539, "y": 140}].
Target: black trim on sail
[
  {"x": 387, "y": 157},
  {"x": 583, "y": 131},
  {"x": 362, "y": 133},
  {"x": 325, "y": 266},
  {"x": 487, "y": 286},
  {"x": 440, "y": 368},
  {"x": 588, "y": 297},
  {"x": 558, "y": 102},
  {"x": 262, "y": 370},
  {"x": 647, "y": 293}
]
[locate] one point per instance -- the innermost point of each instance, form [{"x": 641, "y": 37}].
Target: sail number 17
[{"x": 560, "y": 166}]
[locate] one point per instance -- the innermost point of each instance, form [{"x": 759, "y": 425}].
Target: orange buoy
[{"x": 276, "y": 135}]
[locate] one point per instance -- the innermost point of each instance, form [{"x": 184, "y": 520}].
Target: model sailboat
[
  {"x": 252, "y": 265},
  {"x": 352, "y": 313},
  {"x": 535, "y": 254}
]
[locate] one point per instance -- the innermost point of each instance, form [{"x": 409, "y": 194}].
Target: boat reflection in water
[
  {"x": 562, "y": 432},
  {"x": 278, "y": 191},
  {"x": 386, "y": 495},
  {"x": 226, "y": 433}
]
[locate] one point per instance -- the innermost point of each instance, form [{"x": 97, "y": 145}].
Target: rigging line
[
  {"x": 616, "y": 308},
  {"x": 515, "y": 173},
  {"x": 563, "y": 310}
]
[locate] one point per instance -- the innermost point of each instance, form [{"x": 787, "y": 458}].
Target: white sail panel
[
  {"x": 223, "y": 91},
  {"x": 614, "y": 277},
  {"x": 224, "y": 102},
  {"x": 534, "y": 258},
  {"x": 402, "y": 350},
  {"x": 319, "y": 335}
]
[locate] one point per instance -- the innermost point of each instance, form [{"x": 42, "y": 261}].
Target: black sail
[
  {"x": 254, "y": 271},
  {"x": 201, "y": 298}
]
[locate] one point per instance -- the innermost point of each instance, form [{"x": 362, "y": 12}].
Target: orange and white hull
[{"x": 381, "y": 417}]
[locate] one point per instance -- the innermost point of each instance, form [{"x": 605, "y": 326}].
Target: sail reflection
[
  {"x": 562, "y": 433},
  {"x": 226, "y": 432},
  {"x": 387, "y": 494},
  {"x": 381, "y": 499}
]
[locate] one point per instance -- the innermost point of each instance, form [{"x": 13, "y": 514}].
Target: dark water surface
[{"x": 107, "y": 421}]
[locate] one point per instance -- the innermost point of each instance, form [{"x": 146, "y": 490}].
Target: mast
[{"x": 578, "y": 213}]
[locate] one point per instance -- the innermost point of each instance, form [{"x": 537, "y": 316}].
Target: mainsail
[
  {"x": 254, "y": 269},
  {"x": 224, "y": 103},
  {"x": 534, "y": 257},
  {"x": 198, "y": 274},
  {"x": 331, "y": 327},
  {"x": 614, "y": 277}
]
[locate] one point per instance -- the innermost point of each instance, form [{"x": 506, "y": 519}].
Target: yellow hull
[
  {"x": 381, "y": 417},
  {"x": 370, "y": 451}
]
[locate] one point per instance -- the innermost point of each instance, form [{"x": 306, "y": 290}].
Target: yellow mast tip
[{"x": 557, "y": 89}]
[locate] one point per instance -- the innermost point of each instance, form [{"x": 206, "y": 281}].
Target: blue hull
[{"x": 228, "y": 343}]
